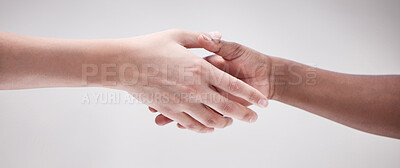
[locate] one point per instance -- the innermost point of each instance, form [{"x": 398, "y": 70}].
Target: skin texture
[
  {"x": 157, "y": 69},
  {"x": 370, "y": 103}
]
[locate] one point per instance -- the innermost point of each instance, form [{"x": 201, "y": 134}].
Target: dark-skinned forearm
[{"x": 370, "y": 103}]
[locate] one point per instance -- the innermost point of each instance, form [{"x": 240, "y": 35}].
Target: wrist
[
  {"x": 289, "y": 77},
  {"x": 278, "y": 77},
  {"x": 108, "y": 63}
]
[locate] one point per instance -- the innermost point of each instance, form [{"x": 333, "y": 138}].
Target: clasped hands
[{"x": 199, "y": 94}]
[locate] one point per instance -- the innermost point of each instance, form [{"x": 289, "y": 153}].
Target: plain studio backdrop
[{"x": 57, "y": 128}]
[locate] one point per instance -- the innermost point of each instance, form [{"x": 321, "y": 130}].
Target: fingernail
[
  {"x": 230, "y": 122},
  {"x": 263, "y": 102},
  {"x": 253, "y": 119},
  {"x": 215, "y": 35},
  {"x": 152, "y": 109},
  {"x": 206, "y": 37}
]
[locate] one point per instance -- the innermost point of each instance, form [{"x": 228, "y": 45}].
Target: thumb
[
  {"x": 217, "y": 61},
  {"x": 188, "y": 39},
  {"x": 228, "y": 50}
]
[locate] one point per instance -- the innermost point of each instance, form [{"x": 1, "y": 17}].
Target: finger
[
  {"x": 161, "y": 120},
  {"x": 215, "y": 35},
  {"x": 188, "y": 39},
  {"x": 208, "y": 117},
  {"x": 188, "y": 122},
  {"x": 152, "y": 109},
  {"x": 216, "y": 61},
  {"x": 180, "y": 126},
  {"x": 232, "y": 97},
  {"x": 228, "y": 50},
  {"x": 229, "y": 108},
  {"x": 220, "y": 63},
  {"x": 236, "y": 87}
]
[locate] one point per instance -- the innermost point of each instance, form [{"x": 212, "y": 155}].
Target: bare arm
[
  {"x": 156, "y": 68},
  {"x": 35, "y": 62},
  {"x": 370, "y": 103}
]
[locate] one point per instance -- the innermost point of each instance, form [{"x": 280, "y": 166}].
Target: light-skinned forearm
[
  {"x": 35, "y": 62},
  {"x": 156, "y": 68}
]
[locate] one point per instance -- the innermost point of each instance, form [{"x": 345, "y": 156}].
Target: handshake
[{"x": 200, "y": 94}]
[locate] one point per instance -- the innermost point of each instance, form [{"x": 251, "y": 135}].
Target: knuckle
[
  {"x": 247, "y": 116},
  {"x": 234, "y": 85},
  {"x": 211, "y": 122},
  {"x": 192, "y": 126},
  {"x": 197, "y": 70},
  {"x": 190, "y": 90},
  {"x": 198, "y": 65},
  {"x": 253, "y": 96},
  {"x": 198, "y": 128},
  {"x": 203, "y": 130},
  {"x": 188, "y": 96},
  {"x": 195, "y": 67},
  {"x": 226, "y": 107},
  {"x": 236, "y": 49}
]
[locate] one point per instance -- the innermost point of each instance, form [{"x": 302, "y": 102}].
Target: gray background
[{"x": 53, "y": 128}]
